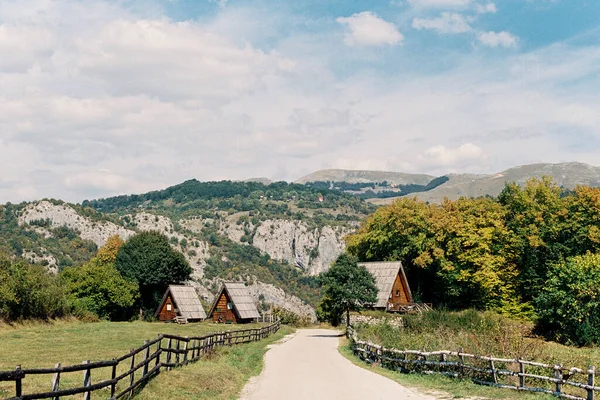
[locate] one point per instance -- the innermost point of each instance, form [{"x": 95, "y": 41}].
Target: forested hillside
[{"x": 279, "y": 234}]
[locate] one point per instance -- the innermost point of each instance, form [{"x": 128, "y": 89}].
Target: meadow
[{"x": 41, "y": 345}]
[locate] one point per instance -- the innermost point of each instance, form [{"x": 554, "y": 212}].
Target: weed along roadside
[
  {"x": 506, "y": 373},
  {"x": 124, "y": 376}
]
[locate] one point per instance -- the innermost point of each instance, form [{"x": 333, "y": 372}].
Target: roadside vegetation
[
  {"x": 220, "y": 377},
  {"x": 476, "y": 332},
  {"x": 440, "y": 387}
]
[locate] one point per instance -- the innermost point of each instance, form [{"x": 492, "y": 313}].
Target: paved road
[{"x": 309, "y": 367}]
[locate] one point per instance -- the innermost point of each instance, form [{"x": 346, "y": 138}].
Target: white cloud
[
  {"x": 440, "y": 3},
  {"x": 498, "y": 39},
  {"x": 367, "y": 29},
  {"x": 447, "y": 23},
  {"x": 489, "y": 8},
  {"x": 461, "y": 156},
  {"x": 23, "y": 46}
]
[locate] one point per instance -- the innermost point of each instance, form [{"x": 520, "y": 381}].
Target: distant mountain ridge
[
  {"x": 363, "y": 176},
  {"x": 567, "y": 175}
]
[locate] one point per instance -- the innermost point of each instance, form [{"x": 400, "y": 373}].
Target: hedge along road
[{"x": 309, "y": 367}]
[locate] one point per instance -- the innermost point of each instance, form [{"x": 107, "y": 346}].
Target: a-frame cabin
[
  {"x": 180, "y": 301},
  {"x": 234, "y": 304},
  {"x": 392, "y": 285}
]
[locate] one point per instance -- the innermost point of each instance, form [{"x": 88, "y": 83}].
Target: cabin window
[
  {"x": 397, "y": 293},
  {"x": 169, "y": 307},
  {"x": 229, "y": 305}
]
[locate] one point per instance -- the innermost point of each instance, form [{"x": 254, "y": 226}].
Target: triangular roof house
[
  {"x": 391, "y": 282},
  {"x": 182, "y": 301},
  {"x": 234, "y": 303}
]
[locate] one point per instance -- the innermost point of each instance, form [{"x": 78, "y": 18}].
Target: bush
[
  {"x": 290, "y": 318},
  {"x": 569, "y": 305},
  {"x": 30, "y": 291}
]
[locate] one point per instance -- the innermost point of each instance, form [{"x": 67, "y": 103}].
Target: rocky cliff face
[
  {"x": 63, "y": 215},
  {"x": 310, "y": 249},
  {"x": 195, "y": 251},
  {"x": 271, "y": 295}
]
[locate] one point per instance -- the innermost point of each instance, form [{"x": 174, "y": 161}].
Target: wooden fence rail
[
  {"x": 142, "y": 364},
  {"x": 507, "y": 373}
]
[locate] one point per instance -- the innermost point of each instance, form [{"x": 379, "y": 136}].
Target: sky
[{"x": 99, "y": 98}]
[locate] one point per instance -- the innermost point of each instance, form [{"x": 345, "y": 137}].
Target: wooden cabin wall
[
  {"x": 166, "y": 315},
  {"x": 221, "y": 310},
  {"x": 399, "y": 293}
]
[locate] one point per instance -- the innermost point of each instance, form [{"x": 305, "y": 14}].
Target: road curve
[{"x": 309, "y": 367}]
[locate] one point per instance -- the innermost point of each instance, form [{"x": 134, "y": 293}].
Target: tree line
[{"x": 532, "y": 252}]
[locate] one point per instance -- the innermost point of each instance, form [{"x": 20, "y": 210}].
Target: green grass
[
  {"x": 42, "y": 345},
  {"x": 221, "y": 376},
  {"x": 437, "y": 385}
]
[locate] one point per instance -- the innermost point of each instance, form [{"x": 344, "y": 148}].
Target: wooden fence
[
  {"x": 134, "y": 369},
  {"x": 507, "y": 373}
]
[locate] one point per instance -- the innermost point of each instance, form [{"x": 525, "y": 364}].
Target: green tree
[
  {"x": 98, "y": 287},
  {"x": 148, "y": 259},
  {"x": 29, "y": 291},
  {"x": 536, "y": 213},
  {"x": 569, "y": 304},
  {"x": 347, "y": 287}
]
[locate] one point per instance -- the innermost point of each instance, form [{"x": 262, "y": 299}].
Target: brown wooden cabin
[
  {"x": 180, "y": 301},
  {"x": 234, "y": 304},
  {"x": 393, "y": 291}
]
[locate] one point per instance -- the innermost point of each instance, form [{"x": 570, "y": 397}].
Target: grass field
[{"x": 42, "y": 345}]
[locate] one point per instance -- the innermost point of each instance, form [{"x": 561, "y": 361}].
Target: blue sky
[{"x": 106, "y": 97}]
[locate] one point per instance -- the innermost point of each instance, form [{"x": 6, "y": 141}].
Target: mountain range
[{"x": 567, "y": 175}]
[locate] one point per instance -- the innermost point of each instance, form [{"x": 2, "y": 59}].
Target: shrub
[
  {"x": 30, "y": 291},
  {"x": 569, "y": 305},
  {"x": 290, "y": 318}
]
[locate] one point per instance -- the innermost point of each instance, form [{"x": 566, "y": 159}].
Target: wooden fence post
[
  {"x": 18, "y": 382},
  {"x": 159, "y": 350},
  {"x": 521, "y": 374},
  {"x": 558, "y": 376},
  {"x": 185, "y": 351},
  {"x": 146, "y": 356},
  {"x": 461, "y": 363},
  {"x": 87, "y": 381},
  {"x": 591, "y": 376},
  {"x": 177, "y": 352},
  {"x": 169, "y": 354},
  {"x": 56, "y": 381},
  {"x": 113, "y": 376},
  {"x": 132, "y": 372},
  {"x": 494, "y": 375}
]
